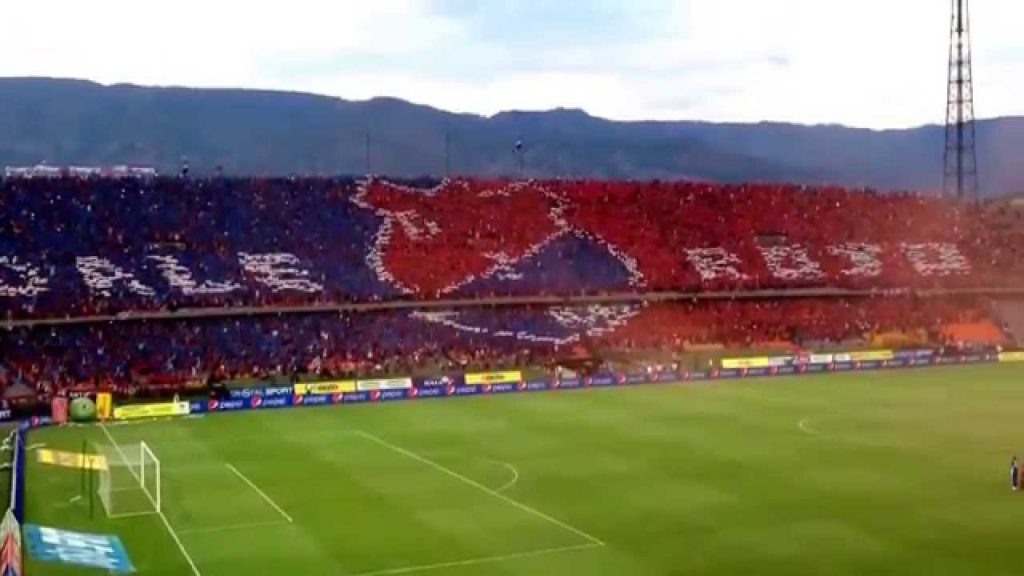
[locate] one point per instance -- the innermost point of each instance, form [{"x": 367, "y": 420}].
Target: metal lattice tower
[{"x": 960, "y": 176}]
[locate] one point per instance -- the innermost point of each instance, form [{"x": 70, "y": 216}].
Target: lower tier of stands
[{"x": 128, "y": 354}]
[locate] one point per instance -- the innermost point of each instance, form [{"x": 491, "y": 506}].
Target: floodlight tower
[{"x": 960, "y": 175}]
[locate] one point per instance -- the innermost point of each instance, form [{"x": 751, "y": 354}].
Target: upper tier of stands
[{"x": 72, "y": 247}]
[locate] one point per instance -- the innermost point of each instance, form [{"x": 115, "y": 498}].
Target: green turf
[{"x": 898, "y": 472}]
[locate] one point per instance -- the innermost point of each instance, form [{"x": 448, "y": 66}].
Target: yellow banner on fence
[
  {"x": 328, "y": 387},
  {"x": 481, "y": 378},
  {"x": 72, "y": 459},
  {"x": 1011, "y": 356},
  {"x": 104, "y": 405},
  {"x": 756, "y": 362},
  {"x": 163, "y": 410},
  {"x": 871, "y": 355}
]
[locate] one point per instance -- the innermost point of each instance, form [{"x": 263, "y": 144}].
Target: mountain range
[{"x": 255, "y": 132}]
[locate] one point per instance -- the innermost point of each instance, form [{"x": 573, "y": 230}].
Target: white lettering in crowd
[
  {"x": 100, "y": 275},
  {"x": 936, "y": 259},
  {"x": 28, "y": 280},
  {"x": 715, "y": 263},
  {"x": 180, "y": 278},
  {"x": 790, "y": 262},
  {"x": 280, "y": 271},
  {"x": 864, "y": 259}
]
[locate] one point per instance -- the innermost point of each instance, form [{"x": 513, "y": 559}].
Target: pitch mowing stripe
[
  {"x": 410, "y": 454},
  {"x": 159, "y": 512},
  {"x": 262, "y": 494},
  {"x": 233, "y": 527},
  {"x": 475, "y": 561}
]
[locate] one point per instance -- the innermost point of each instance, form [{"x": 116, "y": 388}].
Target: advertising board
[
  {"x": 161, "y": 410},
  {"x": 326, "y": 387},
  {"x": 480, "y": 378},
  {"x": 384, "y": 384}
]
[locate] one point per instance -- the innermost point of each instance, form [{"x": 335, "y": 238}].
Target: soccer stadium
[{"x": 512, "y": 369}]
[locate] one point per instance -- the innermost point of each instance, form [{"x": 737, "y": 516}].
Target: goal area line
[{"x": 159, "y": 512}]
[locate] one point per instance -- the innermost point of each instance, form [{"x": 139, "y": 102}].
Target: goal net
[{"x": 129, "y": 484}]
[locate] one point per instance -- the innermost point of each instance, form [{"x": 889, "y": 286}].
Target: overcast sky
[{"x": 872, "y": 63}]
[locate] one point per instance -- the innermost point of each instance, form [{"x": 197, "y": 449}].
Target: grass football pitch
[{"x": 890, "y": 472}]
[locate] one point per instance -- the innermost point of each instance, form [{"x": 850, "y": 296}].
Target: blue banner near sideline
[{"x": 103, "y": 551}]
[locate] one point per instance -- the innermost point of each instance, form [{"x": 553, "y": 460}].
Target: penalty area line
[
  {"x": 485, "y": 560},
  {"x": 510, "y": 468},
  {"x": 410, "y": 454},
  {"x": 262, "y": 494}
]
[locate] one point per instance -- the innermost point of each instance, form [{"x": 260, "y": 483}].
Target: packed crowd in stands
[
  {"x": 123, "y": 354},
  {"x": 74, "y": 248},
  {"x": 71, "y": 247}
]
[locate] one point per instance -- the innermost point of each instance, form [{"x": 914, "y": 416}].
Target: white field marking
[
  {"x": 262, "y": 494},
  {"x": 510, "y": 468},
  {"x": 410, "y": 454},
  {"x": 232, "y": 527},
  {"x": 159, "y": 512},
  {"x": 476, "y": 561},
  {"x": 806, "y": 429}
]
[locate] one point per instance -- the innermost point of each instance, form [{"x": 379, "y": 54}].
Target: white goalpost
[{"x": 130, "y": 483}]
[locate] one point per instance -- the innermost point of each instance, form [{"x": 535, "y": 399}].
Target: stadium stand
[
  {"x": 74, "y": 247},
  {"x": 190, "y": 352},
  {"x": 157, "y": 282}
]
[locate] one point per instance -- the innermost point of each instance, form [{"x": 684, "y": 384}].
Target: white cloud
[{"x": 876, "y": 63}]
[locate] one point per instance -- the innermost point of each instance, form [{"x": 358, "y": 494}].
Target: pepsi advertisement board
[
  {"x": 227, "y": 405},
  {"x": 636, "y": 378},
  {"x": 389, "y": 395},
  {"x": 439, "y": 381},
  {"x": 312, "y": 400},
  {"x": 604, "y": 379},
  {"x": 536, "y": 384},
  {"x": 431, "y": 392},
  {"x": 262, "y": 402},
  {"x": 666, "y": 376},
  {"x": 353, "y": 397},
  {"x": 504, "y": 388},
  {"x": 465, "y": 390},
  {"x": 569, "y": 383}
]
